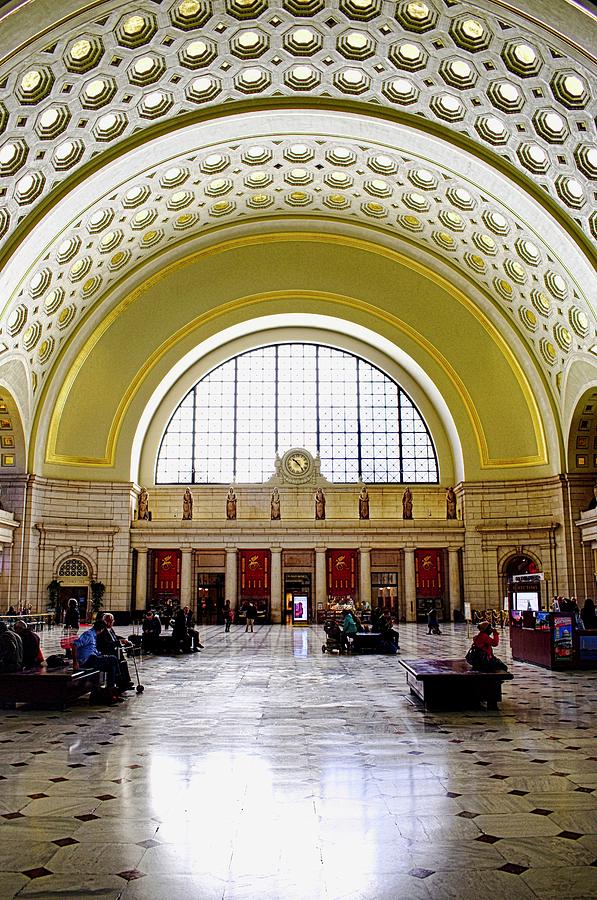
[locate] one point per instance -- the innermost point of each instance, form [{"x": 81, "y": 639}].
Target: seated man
[
  {"x": 11, "y": 650},
  {"x": 191, "y": 630},
  {"x": 87, "y": 656},
  {"x": 109, "y": 643},
  {"x": 180, "y": 633},
  {"x": 151, "y": 628},
  {"x": 32, "y": 654}
]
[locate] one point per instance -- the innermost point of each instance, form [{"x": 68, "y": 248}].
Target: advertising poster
[
  {"x": 562, "y": 636},
  {"x": 300, "y": 609}
]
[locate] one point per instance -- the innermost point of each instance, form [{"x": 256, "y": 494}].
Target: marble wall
[{"x": 96, "y": 522}]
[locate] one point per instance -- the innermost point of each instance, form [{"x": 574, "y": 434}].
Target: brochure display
[{"x": 552, "y": 640}]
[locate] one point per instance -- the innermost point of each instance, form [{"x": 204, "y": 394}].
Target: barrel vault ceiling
[{"x": 463, "y": 131}]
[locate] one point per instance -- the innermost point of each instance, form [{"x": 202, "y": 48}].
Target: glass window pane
[{"x": 231, "y": 424}]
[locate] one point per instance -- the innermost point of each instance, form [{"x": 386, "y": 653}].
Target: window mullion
[
  {"x": 234, "y": 442},
  {"x": 276, "y": 400},
  {"x": 400, "y": 455},
  {"x": 194, "y": 438},
  {"x": 360, "y": 465},
  {"x": 317, "y": 437}
]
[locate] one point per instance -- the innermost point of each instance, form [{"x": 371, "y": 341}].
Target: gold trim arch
[{"x": 401, "y": 281}]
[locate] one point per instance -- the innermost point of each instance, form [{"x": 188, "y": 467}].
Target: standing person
[
  {"x": 251, "y": 614},
  {"x": 432, "y": 623},
  {"x": 72, "y": 617},
  {"x": 588, "y": 614},
  {"x": 228, "y": 616}
]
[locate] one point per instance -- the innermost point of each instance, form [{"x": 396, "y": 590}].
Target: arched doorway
[
  {"x": 523, "y": 581},
  {"x": 74, "y": 576}
]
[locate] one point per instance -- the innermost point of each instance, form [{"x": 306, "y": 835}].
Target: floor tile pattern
[{"x": 263, "y": 768}]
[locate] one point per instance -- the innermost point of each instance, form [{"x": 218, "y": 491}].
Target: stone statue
[
  {"x": 450, "y": 503},
  {"x": 187, "y": 505},
  {"x": 364, "y": 503},
  {"x": 319, "y": 504},
  {"x": 407, "y": 504},
  {"x": 231, "y": 504},
  {"x": 275, "y": 504},
  {"x": 143, "y": 507}
]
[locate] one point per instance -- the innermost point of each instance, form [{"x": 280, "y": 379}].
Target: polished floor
[{"x": 261, "y": 768}]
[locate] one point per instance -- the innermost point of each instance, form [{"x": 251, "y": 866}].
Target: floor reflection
[{"x": 262, "y": 767}]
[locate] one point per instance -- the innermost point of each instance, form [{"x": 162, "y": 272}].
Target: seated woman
[
  {"x": 484, "y": 642},
  {"x": 32, "y": 653},
  {"x": 349, "y": 629}
]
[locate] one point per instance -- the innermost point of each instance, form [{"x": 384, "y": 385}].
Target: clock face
[{"x": 297, "y": 463}]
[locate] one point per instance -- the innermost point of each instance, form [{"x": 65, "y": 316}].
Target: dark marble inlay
[
  {"x": 65, "y": 842},
  {"x": 130, "y": 874},
  {"x": 37, "y": 873},
  {"x": 418, "y": 872},
  {"x": 513, "y": 869}
]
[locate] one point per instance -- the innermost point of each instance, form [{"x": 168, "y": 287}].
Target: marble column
[
  {"x": 141, "y": 583},
  {"x": 230, "y": 588},
  {"x": 410, "y": 589},
  {"x": 321, "y": 592},
  {"x": 186, "y": 574},
  {"x": 454, "y": 582},
  {"x": 276, "y": 586},
  {"x": 365, "y": 575}
]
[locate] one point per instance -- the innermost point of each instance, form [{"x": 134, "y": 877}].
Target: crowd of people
[
  {"x": 20, "y": 647},
  {"x": 586, "y": 618},
  {"x": 184, "y": 636}
]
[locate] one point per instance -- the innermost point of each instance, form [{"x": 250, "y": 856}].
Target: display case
[{"x": 552, "y": 640}]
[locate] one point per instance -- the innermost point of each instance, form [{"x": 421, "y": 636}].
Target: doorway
[
  {"x": 297, "y": 585},
  {"x": 210, "y": 598}
]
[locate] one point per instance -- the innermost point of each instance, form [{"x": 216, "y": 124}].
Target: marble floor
[{"x": 263, "y": 769}]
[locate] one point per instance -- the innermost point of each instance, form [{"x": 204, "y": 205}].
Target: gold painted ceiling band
[{"x": 52, "y": 457}]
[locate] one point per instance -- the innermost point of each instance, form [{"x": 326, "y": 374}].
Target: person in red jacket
[{"x": 485, "y": 641}]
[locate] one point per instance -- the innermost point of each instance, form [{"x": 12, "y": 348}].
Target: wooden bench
[
  {"x": 452, "y": 683},
  {"x": 372, "y": 642},
  {"x": 46, "y": 687}
]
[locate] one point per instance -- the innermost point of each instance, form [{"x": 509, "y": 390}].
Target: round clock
[{"x": 297, "y": 464}]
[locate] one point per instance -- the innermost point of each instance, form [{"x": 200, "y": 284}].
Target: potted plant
[
  {"x": 98, "y": 589},
  {"x": 53, "y": 590}
]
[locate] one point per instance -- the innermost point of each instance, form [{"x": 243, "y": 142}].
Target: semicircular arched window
[
  {"x": 73, "y": 568},
  {"x": 232, "y": 423}
]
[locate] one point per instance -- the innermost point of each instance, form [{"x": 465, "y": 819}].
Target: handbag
[{"x": 475, "y": 657}]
